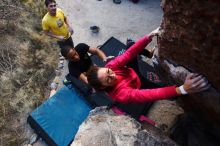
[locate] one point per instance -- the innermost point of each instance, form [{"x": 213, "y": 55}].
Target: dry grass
[{"x": 27, "y": 63}]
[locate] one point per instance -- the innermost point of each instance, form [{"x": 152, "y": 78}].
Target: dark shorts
[{"x": 67, "y": 42}]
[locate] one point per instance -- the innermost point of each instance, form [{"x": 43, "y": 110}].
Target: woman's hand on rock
[{"x": 195, "y": 83}]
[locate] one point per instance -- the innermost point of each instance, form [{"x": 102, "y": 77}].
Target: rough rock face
[
  {"x": 191, "y": 38},
  {"x": 103, "y": 127},
  {"x": 202, "y": 112}
]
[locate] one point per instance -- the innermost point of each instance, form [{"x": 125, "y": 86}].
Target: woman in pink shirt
[{"x": 123, "y": 85}]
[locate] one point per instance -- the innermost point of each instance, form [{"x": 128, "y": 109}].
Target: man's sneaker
[
  {"x": 117, "y": 1},
  {"x": 66, "y": 82}
]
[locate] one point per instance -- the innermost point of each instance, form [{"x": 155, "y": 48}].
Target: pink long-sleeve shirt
[{"x": 127, "y": 88}]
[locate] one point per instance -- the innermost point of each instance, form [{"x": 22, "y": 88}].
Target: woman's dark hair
[
  {"x": 92, "y": 78},
  {"x": 47, "y": 2},
  {"x": 65, "y": 50}
]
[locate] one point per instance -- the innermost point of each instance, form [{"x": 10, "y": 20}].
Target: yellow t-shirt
[{"x": 56, "y": 24}]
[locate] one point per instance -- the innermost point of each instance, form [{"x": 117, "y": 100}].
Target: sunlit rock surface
[{"x": 103, "y": 127}]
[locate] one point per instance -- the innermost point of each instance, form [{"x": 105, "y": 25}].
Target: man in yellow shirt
[{"x": 55, "y": 24}]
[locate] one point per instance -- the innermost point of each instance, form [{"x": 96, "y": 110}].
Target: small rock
[
  {"x": 53, "y": 86},
  {"x": 56, "y": 80},
  {"x": 61, "y": 61},
  {"x": 62, "y": 58},
  {"x": 58, "y": 72},
  {"x": 60, "y": 66}
]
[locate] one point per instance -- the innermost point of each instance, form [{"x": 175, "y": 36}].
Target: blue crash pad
[{"x": 57, "y": 120}]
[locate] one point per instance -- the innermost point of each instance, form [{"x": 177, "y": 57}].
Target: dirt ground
[{"x": 125, "y": 20}]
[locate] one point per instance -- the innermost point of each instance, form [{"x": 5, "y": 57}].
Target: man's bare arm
[
  {"x": 98, "y": 52},
  {"x": 68, "y": 24},
  {"x": 83, "y": 78}
]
